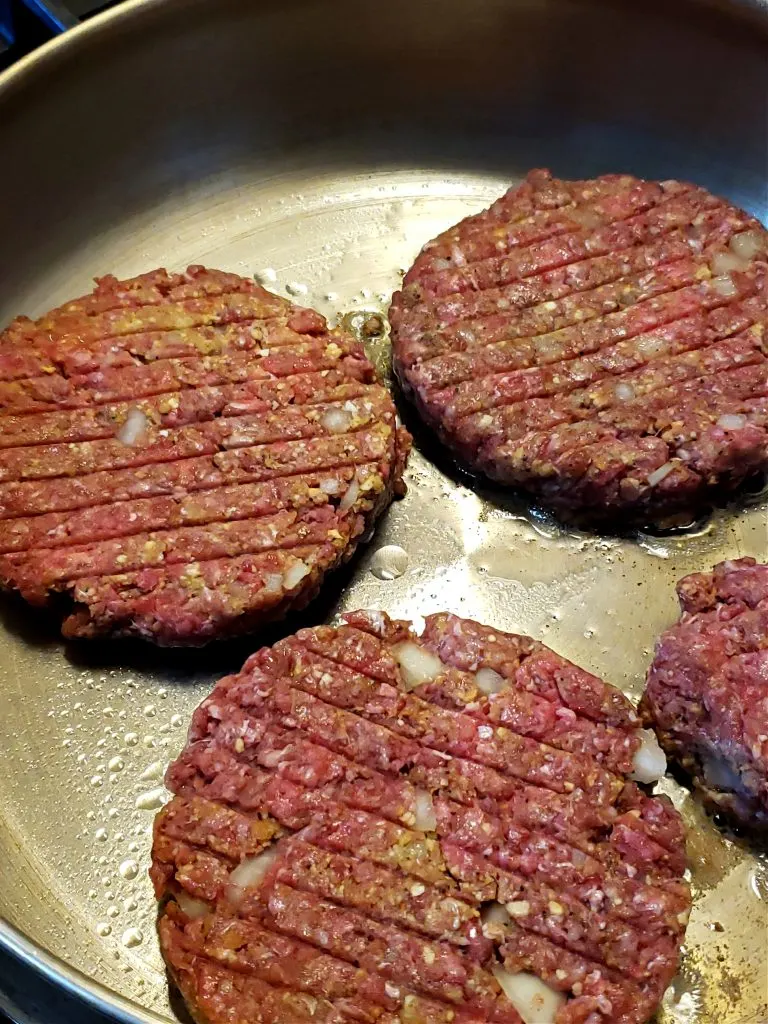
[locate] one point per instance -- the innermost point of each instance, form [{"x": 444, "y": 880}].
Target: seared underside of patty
[
  {"x": 600, "y": 343},
  {"x": 707, "y": 692},
  {"x": 186, "y": 455},
  {"x": 370, "y": 825}
]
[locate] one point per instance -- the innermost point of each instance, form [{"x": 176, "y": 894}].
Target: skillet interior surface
[{"x": 319, "y": 144}]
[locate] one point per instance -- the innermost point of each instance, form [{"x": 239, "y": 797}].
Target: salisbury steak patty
[
  {"x": 185, "y": 455},
  {"x": 375, "y": 826},
  {"x": 707, "y": 693},
  {"x": 600, "y": 343}
]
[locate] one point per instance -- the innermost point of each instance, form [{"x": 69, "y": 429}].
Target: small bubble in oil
[
  {"x": 129, "y": 869},
  {"x": 103, "y": 929},
  {"x": 296, "y": 288},
  {"x": 130, "y": 905},
  {"x": 131, "y": 739},
  {"x": 101, "y": 835},
  {"x": 116, "y": 764},
  {"x": 132, "y": 937},
  {"x": 150, "y": 711},
  {"x": 389, "y": 562},
  {"x": 113, "y": 912}
]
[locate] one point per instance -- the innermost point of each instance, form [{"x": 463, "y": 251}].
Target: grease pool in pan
[{"x": 76, "y": 827}]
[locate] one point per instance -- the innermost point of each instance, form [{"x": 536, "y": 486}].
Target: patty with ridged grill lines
[
  {"x": 368, "y": 824},
  {"x": 184, "y": 456},
  {"x": 599, "y": 343}
]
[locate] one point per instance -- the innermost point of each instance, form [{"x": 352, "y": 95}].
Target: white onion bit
[
  {"x": 725, "y": 262},
  {"x": 351, "y": 495},
  {"x": 650, "y": 762},
  {"x": 651, "y": 345},
  {"x": 425, "y": 811},
  {"x": 660, "y": 474},
  {"x": 330, "y": 485},
  {"x": 250, "y": 872},
  {"x": 192, "y": 908},
  {"x": 490, "y": 681},
  {"x": 494, "y": 918},
  {"x": 624, "y": 392},
  {"x": 273, "y": 583},
  {"x": 133, "y": 428},
  {"x": 336, "y": 420},
  {"x": 417, "y": 664},
  {"x": 724, "y": 286},
  {"x": 732, "y": 421},
  {"x": 293, "y": 576},
  {"x": 749, "y": 244},
  {"x": 534, "y": 1000}
]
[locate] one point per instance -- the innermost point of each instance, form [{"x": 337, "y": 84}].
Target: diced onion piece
[
  {"x": 660, "y": 474},
  {"x": 330, "y": 485},
  {"x": 458, "y": 257},
  {"x": 350, "y": 496},
  {"x": 425, "y": 811},
  {"x": 725, "y": 262},
  {"x": 133, "y": 428},
  {"x": 336, "y": 420},
  {"x": 624, "y": 392},
  {"x": 534, "y": 1000},
  {"x": 293, "y": 576},
  {"x": 747, "y": 244},
  {"x": 651, "y": 345},
  {"x": 466, "y": 334},
  {"x": 494, "y": 919},
  {"x": 732, "y": 421},
  {"x": 272, "y": 758},
  {"x": 724, "y": 286},
  {"x": 273, "y": 583},
  {"x": 417, "y": 664},
  {"x": 650, "y": 762},
  {"x": 192, "y": 908},
  {"x": 438, "y": 263},
  {"x": 490, "y": 681},
  {"x": 250, "y": 872}
]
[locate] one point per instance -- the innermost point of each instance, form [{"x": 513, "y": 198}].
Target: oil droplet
[
  {"x": 131, "y": 739},
  {"x": 103, "y": 929},
  {"x": 116, "y": 764},
  {"x": 150, "y": 711},
  {"x": 96, "y": 780},
  {"x": 129, "y": 869},
  {"x": 177, "y": 720},
  {"x": 131, "y": 905},
  {"x": 265, "y": 277},
  {"x": 132, "y": 937},
  {"x": 152, "y": 800},
  {"x": 101, "y": 835},
  {"x": 296, "y": 288},
  {"x": 389, "y": 562},
  {"x": 113, "y": 912}
]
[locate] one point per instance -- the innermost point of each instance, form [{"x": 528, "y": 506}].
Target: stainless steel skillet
[{"x": 318, "y": 143}]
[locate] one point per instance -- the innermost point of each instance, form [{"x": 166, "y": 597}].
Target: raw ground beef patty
[
  {"x": 600, "y": 343},
  {"x": 186, "y": 455},
  {"x": 370, "y": 825},
  {"x": 707, "y": 692}
]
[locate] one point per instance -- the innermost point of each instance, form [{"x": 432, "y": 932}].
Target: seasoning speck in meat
[
  {"x": 371, "y": 825},
  {"x": 600, "y": 343},
  {"x": 707, "y": 690},
  {"x": 185, "y": 456}
]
